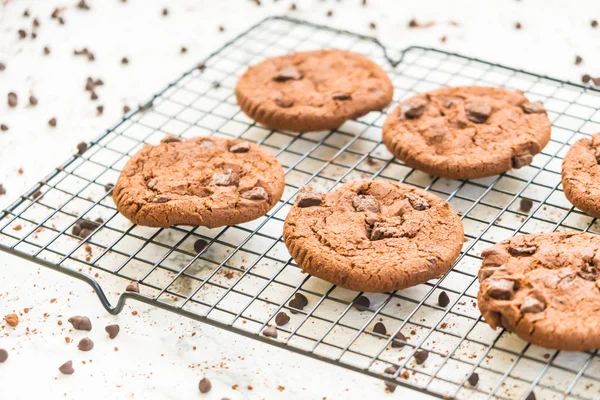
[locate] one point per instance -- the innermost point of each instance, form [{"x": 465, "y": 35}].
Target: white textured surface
[{"x": 553, "y": 33}]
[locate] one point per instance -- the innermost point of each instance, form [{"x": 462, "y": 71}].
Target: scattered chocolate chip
[
  {"x": 270, "y": 331},
  {"x": 89, "y": 84},
  {"x": 578, "y": 60},
  {"x": 161, "y": 198},
  {"x": 61, "y": 20},
  {"x": 530, "y": 396},
  {"x": 82, "y": 147},
  {"x": 381, "y": 230},
  {"x": 183, "y": 50},
  {"x": 67, "y": 368},
  {"x": 221, "y": 28},
  {"x": 518, "y": 25},
  {"x": 586, "y": 78},
  {"x": 228, "y": 178},
  {"x": 532, "y": 305},
  {"x": 522, "y": 160},
  {"x": 307, "y": 197},
  {"x": 26, "y": 13},
  {"x": 200, "y": 245},
  {"x": 33, "y": 35},
  {"x": 399, "y": 340},
  {"x": 93, "y": 95},
  {"x": 596, "y": 81},
  {"x": 82, "y": 5},
  {"x": 518, "y": 251},
  {"x": 372, "y": 25},
  {"x": 22, "y": 34},
  {"x": 417, "y": 202},
  {"x": 55, "y": 13},
  {"x": 36, "y": 194},
  {"x": 391, "y": 370},
  {"x": 421, "y": 356},
  {"x": 85, "y": 224},
  {"x": 380, "y": 328},
  {"x": 242, "y": 147},
  {"x": 124, "y": 61},
  {"x": 414, "y": 108},
  {"x": 525, "y": 205},
  {"x": 443, "y": 299},
  {"x": 2, "y": 190},
  {"x": 204, "y": 386},
  {"x": 99, "y": 82},
  {"x": 330, "y": 13},
  {"x": 165, "y": 12},
  {"x": 99, "y": 110},
  {"x": 3, "y": 355},
  {"x": 366, "y": 203},
  {"x": 170, "y": 139},
  {"x": 81, "y": 323},
  {"x": 500, "y": 289},
  {"x": 303, "y": 301},
  {"x": 362, "y": 303},
  {"x": 201, "y": 66},
  {"x": 52, "y": 122},
  {"x": 594, "y": 23},
  {"x": 33, "y": 100},
  {"x": 76, "y": 230},
  {"x": 46, "y": 50},
  {"x": 108, "y": 187},
  {"x": 85, "y": 344},
  {"x": 535, "y": 107},
  {"x": 3, "y": 127},
  {"x": 133, "y": 287},
  {"x": 216, "y": 84},
  {"x": 473, "y": 379},
  {"x": 85, "y": 233},
  {"x": 478, "y": 111},
  {"x": 413, "y": 23},
  {"x": 12, "y": 99},
  {"x": 282, "y": 318},
  {"x": 112, "y": 330},
  {"x": 257, "y": 2},
  {"x": 341, "y": 96},
  {"x": 36, "y": 23},
  {"x": 256, "y": 193},
  {"x": 287, "y": 74}
]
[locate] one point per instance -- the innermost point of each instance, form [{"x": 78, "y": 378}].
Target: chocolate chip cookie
[
  {"x": 581, "y": 175},
  {"x": 313, "y": 90},
  {"x": 373, "y": 236},
  {"x": 467, "y": 132},
  {"x": 206, "y": 181},
  {"x": 545, "y": 288}
]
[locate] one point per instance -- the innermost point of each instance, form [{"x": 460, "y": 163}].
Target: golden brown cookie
[
  {"x": 467, "y": 132},
  {"x": 545, "y": 288},
  {"x": 206, "y": 181},
  {"x": 581, "y": 175},
  {"x": 313, "y": 90},
  {"x": 373, "y": 236}
]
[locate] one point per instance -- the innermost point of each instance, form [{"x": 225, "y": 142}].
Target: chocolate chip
[
  {"x": 525, "y": 205},
  {"x": 518, "y": 251},
  {"x": 85, "y": 233},
  {"x": 221, "y": 28},
  {"x": 341, "y": 96},
  {"x": 165, "y": 12},
  {"x": 518, "y": 25},
  {"x": 372, "y": 25},
  {"x": 293, "y": 7},
  {"x": 2, "y": 66},
  {"x": 594, "y": 23},
  {"x": 12, "y": 99},
  {"x": 381, "y": 230},
  {"x": 99, "y": 220},
  {"x": 302, "y": 300},
  {"x": 535, "y": 107},
  {"x": 112, "y": 330},
  {"x": 270, "y": 331},
  {"x": 421, "y": 356},
  {"x": 46, "y": 50},
  {"x": 33, "y": 100},
  {"x": 22, "y": 34},
  {"x": 170, "y": 139},
  {"x": 443, "y": 299},
  {"x": 82, "y": 147},
  {"x": 204, "y": 386},
  {"x": 478, "y": 111},
  {"x": 282, "y": 319},
  {"x": 201, "y": 66},
  {"x": 414, "y": 108},
  {"x": 228, "y": 178},
  {"x": 417, "y": 202},
  {"x": 126, "y": 109},
  {"x": 295, "y": 304},
  {"x": 26, "y": 13},
  {"x": 589, "y": 273},
  {"x": 93, "y": 96},
  {"x": 81, "y": 323},
  {"x": 200, "y": 245},
  {"x": 52, "y": 122},
  {"x": 161, "y": 198},
  {"x": 532, "y": 305},
  {"x": 3, "y": 127},
  {"x": 242, "y": 147},
  {"x": 366, "y": 203},
  {"x": 307, "y": 197},
  {"x": 3, "y": 355},
  {"x": 2, "y": 190},
  {"x": 257, "y": 193},
  {"x": 500, "y": 289},
  {"x": 133, "y": 287},
  {"x": 85, "y": 224},
  {"x": 108, "y": 187},
  {"x": 76, "y": 230},
  {"x": 530, "y": 396},
  {"x": 399, "y": 340},
  {"x": 380, "y": 328},
  {"x": 67, "y": 368},
  {"x": 85, "y": 344},
  {"x": 362, "y": 303},
  {"x": 391, "y": 370},
  {"x": 283, "y": 102},
  {"x": 82, "y": 5},
  {"x": 36, "y": 194},
  {"x": 578, "y": 60},
  {"x": 522, "y": 160},
  {"x": 473, "y": 379},
  {"x": 124, "y": 61},
  {"x": 287, "y": 74},
  {"x": 586, "y": 78},
  {"x": 99, "y": 110}
]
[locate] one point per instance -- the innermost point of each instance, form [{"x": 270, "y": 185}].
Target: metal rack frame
[{"x": 245, "y": 276}]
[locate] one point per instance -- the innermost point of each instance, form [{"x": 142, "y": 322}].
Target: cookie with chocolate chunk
[
  {"x": 373, "y": 236},
  {"x": 206, "y": 181},
  {"x": 545, "y": 288},
  {"x": 467, "y": 132},
  {"x": 581, "y": 175},
  {"x": 313, "y": 90}
]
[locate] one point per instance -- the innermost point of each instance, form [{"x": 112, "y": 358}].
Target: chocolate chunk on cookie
[
  {"x": 467, "y": 132},
  {"x": 370, "y": 236},
  {"x": 550, "y": 296},
  {"x": 581, "y": 175},
  {"x": 206, "y": 181},
  {"x": 313, "y": 90}
]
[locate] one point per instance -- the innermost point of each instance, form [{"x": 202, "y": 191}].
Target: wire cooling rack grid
[{"x": 245, "y": 276}]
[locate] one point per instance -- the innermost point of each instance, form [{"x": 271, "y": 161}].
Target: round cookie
[
  {"x": 373, "y": 236},
  {"x": 313, "y": 90},
  {"x": 206, "y": 181},
  {"x": 545, "y": 288},
  {"x": 581, "y": 175},
  {"x": 467, "y": 132}
]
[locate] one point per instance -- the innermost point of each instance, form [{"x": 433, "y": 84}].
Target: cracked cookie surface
[
  {"x": 545, "y": 288},
  {"x": 208, "y": 181},
  {"x": 313, "y": 90},
  {"x": 373, "y": 236},
  {"x": 467, "y": 132},
  {"x": 581, "y": 175}
]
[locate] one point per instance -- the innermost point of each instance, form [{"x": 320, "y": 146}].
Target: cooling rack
[{"x": 245, "y": 276}]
